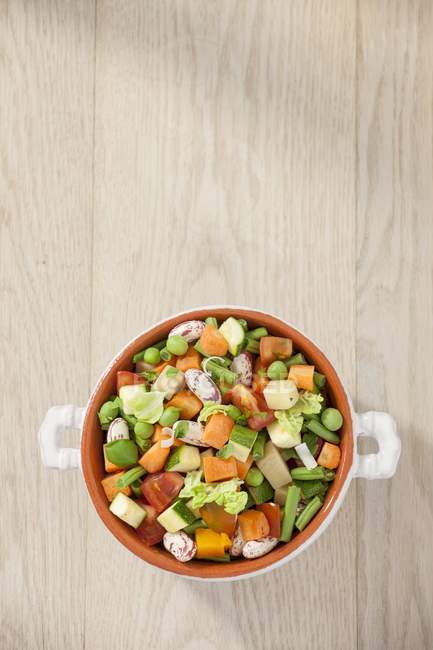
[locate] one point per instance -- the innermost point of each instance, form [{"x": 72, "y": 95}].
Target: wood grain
[
  {"x": 156, "y": 155},
  {"x": 46, "y": 154},
  {"x": 217, "y": 174},
  {"x": 395, "y": 316}
]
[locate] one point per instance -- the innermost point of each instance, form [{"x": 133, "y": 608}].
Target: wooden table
[{"x": 160, "y": 155}]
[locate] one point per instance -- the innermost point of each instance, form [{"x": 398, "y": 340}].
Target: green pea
[
  {"x": 277, "y": 370},
  {"x": 108, "y": 412},
  {"x": 169, "y": 416},
  {"x": 177, "y": 345},
  {"x": 152, "y": 356},
  {"x": 254, "y": 477},
  {"x": 143, "y": 429},
  {"x": 122, "y": 453},
  {"x": 332, "y": 419}
]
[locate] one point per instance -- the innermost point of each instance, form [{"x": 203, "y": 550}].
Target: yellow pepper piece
[{"x": 211, "y": 544}]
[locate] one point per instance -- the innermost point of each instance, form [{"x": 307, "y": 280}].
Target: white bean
[
  {"x": 203, "y": 386},
  {"x": 258, "y": 547},
  {"x": 180, "y": 545},
  {"x": 191, "y": 330},
  {"x": 118, "y": 430}
]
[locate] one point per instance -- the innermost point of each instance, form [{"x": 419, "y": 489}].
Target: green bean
[
  {"x": 323, "y": 432},
  {"x": 169, "y": 416},
  {"x": 287, "y": 454},
  {"x": 310, "y": 440},
  {"x": 277, "y": 370},
  {"x": 318, "y": 473},
  {"x": 177, "y": 345},
  {"x": 136, "y": 488},
  {"x": 130, "y": 476},
  {"x": 243, "y": 323},
  {"x": 211, "y": 320},
  {"x": 254, "y": 477},
  {"x": 139, "y": 356},
  {"x": 296, "y": 360},
  {"x": 252, "y": 345},
  {"x": 332, "y": 419},
  {"x": 257, "y": 333},
  {"x": 212, "y": 558},
  {"x": 292, "y": 500},
  {"x": 199, "y": 523},
  {"x": 152, "y": 356},
  {"x": 319, "y": 380},
  {"x": 259, "y": 445},
  {"x": 220, "y": 373},
  {"x": 165, "y": 354},
  {"x": 160, "y": 345},
  {"x": 309, "y": 489},
  {"x": 308, "y": 513}
]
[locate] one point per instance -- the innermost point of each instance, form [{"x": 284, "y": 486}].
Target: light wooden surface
[{"x": 160, "y": 155}]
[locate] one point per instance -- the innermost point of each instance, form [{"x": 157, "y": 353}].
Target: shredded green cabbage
[
  {"x": 289, "y": 421},
  {"x": 225, "y": 494},
  {"x": 308, "y": 403},
  {"x": 210, "y": 408}
]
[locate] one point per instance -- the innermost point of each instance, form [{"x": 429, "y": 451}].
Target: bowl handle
[
  {"x": 382, "y": 427},
  {"x": 57, "y": 419}
]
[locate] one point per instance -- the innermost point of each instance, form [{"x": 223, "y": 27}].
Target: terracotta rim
[{"x": 93, "y": 466}]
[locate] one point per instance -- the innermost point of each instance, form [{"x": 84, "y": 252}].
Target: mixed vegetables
[{"x": 221, "y": 444}]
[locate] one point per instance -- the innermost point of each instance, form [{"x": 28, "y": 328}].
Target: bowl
[{"x": 378, "y": 425}]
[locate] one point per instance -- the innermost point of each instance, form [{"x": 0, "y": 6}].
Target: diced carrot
[
  {"x": 244, "y": 467},
  {"x": 329, "y": 456},
  {"x": 110, "y": 487},
  {"x": 260, "y": 378},
  {"x": 153, "y": 460},
  {"x": 109, "y": 466},
  {"x": 158, "y": 435},
  {"x": 191, "y": 359},
  {"x": 217, "y": 430},
  {"x": 211, "y": 544},
  {"x": 158, "y": 369},
  {"x": 219, "y": 469},
  {"x": 218, "y": 519},
  {"x": 187, "y": 402},
  {"x": 302, "y": 376},
  {"x": 253, "y": 524},
  {"x": 212, "y": 342},
  {"x": 273, "y": 515}
]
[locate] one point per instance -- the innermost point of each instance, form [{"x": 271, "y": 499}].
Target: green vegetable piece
[
  {"x": 296, "y": 360},
  {"x": 122, "y": 453},
  {"x": 138, "y": 357},
  {"x": 243, "y": 323},
  {"x": 199, "y": 523},
  {"x": 319, "y": 380},
  {"x": 308, "y": 513},
  {"x": 258, "y": 450},
  {"x": 169, "y": 416},
  {"x": 332, "y": 419},
  {"x": 165, "y": 354},
  {"x": 289, "y": 516},
  {"x": 262, "y": 493},
  {"x": 130, "y": 476},
  {"x": 143, "y": 429},
  {"x": 323, "y": 432},
  {"x": 211, "y": 320},
  {"x": 136, "y": 488},
  {"x": 210, "y": 408},
  {"x": 310, "y": 440},
  {"x": 220, "y": 373},
  {"x": 318, "y": 473},
  {"x": 309, "y": 489},
  {"x": 277, "y": 370},
  {"x": 160, "y": 345},
  {"x": 152, "y": 356},
  {"x": 226, "y": 451},
  {"x": 252, "y": 345},
  {"x": 223, "y": 558},
  {"x": 109, "y": 411},
  {"x": 250, "y": 502},
  {"x": 257, "y": 333},
  {"x": 177, "y": 345},
  {"x": 254, "y": 477},
  {"x": 287, "y": 454}
]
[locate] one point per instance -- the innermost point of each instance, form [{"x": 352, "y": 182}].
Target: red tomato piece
[
  {"x": 218, "y": 519},
  {"x": 150, "y": 530},
  {"x": 161, "y": 489},
  {"x": 262, "y": 416},
  {"x": 272, "y": 514},
  {"x": 244, "y": 398},
  {"x": 126, "y": 378},
  {"x": 273, "y": 348},
  {"x": 260, "y": 378}
]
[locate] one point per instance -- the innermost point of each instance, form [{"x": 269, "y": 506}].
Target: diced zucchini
[
  {"x": 127, "y": 510},
  {"x": 176, "y": 517},
  {"x": 234, "y": 334},
  {"x": 183, "y": 459},
  {"x": 242, "y": 440},
  {"x": 273, "y": 467},
  {"x": 282, "y": 438},
  {"x": 262, "y": 493}
]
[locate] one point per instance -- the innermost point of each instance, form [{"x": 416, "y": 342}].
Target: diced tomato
[
  {"x": 161, "y": 489},
  {"x": 126, "y": 378},
  {"x": 262, "y": 416},
  {"x": 243, "y": 397},
  {"x": 260, "y": 378},
  {"x": 273, "y": 348},
  {"x": 218, "y": 519},
  {"x": 150, "y": 530},
  {"x": 272, "y": 514}
]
